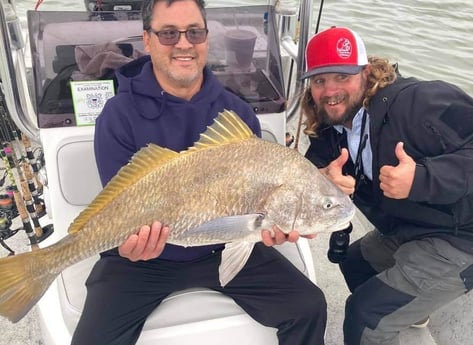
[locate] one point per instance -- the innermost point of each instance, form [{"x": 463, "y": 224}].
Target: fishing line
[{"x": 38, "y": 3}]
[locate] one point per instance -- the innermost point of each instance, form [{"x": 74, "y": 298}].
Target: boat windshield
[{"x": 75, "y": 54}]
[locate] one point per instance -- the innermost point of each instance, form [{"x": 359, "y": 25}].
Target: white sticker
[
  {"x": 122, "y": 8},
  {"x": 88, "y": 98}
]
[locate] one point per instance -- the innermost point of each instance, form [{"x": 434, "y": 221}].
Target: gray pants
[{"x": 396, "y": 284}]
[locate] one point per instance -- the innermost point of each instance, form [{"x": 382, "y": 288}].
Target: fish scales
[{"x": 188, "y": 198}]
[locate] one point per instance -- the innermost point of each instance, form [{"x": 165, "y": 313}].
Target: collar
[{"x": 356, "y": 123}]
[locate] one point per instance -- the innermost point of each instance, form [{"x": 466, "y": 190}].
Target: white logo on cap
[{"x": 344, "y": 48}]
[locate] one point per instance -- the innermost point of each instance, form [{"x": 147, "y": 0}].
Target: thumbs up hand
[
  {"x": 334, "y": 173},
  {"x": 396, "y": 181}
]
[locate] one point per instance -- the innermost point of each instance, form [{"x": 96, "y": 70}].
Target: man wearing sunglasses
[{"x": 169, "y": 98}]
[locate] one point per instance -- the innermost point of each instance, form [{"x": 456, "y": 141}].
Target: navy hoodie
[{"x": 142, "y": 113}]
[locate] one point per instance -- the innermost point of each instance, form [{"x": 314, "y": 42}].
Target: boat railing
[
  {"x": 295, "y": 50},
  {"x": 13, "y": 72}
]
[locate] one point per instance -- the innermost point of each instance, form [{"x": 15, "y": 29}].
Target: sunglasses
[{"x": 172, "y": 37}]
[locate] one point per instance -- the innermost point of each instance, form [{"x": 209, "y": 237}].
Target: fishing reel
[
  {"x": 338, "y": 245},
  {"x": 6, "y": 232},
  {"x": 8, "y": 208}
]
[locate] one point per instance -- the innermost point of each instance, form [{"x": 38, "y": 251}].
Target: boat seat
[{"x": 197, "y": 315}]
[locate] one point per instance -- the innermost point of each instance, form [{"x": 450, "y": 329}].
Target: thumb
[
  {"x": 400, "y": 153},
  {"x": 342, "y": 159},
  {"x": 335, "y": 167}
]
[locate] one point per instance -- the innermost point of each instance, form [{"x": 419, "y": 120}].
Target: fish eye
[{"x": 328, "y": 204}]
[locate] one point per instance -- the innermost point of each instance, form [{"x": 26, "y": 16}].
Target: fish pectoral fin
[
  {"x": 230, "y": 228},
  {"x": 234, "y": 257}
]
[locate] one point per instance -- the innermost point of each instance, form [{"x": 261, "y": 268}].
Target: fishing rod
[
  {"x": 3, "y": 128},
  {"x": 34, "y": 163},
  {"x": 24, "y": 146},
  {"x": 8, "y": 211},
  {"x": 28, "y": 206},
  {"x": 8, "y": 130},
  {"x": 26, "y": 164},
  {"x": 25, "y": 204},
  {"x": 41, "y": 232},
  {"x": 33, "y": 238},
  {"x": 23, "y": 149},
  {"x": 38, "y": 203},
  {"x": 31, "y": 167}
]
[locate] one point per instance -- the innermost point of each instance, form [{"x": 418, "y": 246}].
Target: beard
[
  {"x": 347, "y": 116},
  {"x": 183, "y": 79}
]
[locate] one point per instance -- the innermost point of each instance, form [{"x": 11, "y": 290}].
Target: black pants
[{"x": 121, "y": 294}]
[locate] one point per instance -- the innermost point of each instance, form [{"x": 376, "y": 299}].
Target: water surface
[{"x": 431, "y": 39}]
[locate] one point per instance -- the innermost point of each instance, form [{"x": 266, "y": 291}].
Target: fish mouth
[
  {"x": 342, "y": 226},
  {"x": 345, "y": 222}
]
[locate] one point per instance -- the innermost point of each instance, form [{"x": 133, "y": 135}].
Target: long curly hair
[{"x": 382, "y": 73}]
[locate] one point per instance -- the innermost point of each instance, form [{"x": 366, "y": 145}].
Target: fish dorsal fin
[
  {"x": 228, "y": 127},
  {"x": 143, "y": 162}
]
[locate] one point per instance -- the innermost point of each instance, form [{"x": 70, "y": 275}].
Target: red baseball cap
[{"x": 335, "y": 50}]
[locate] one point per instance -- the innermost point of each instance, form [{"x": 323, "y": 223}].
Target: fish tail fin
[{"x": 20, "y": 285}]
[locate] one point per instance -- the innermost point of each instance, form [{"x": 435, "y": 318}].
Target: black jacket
[{"x": 434, "y": 119}]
